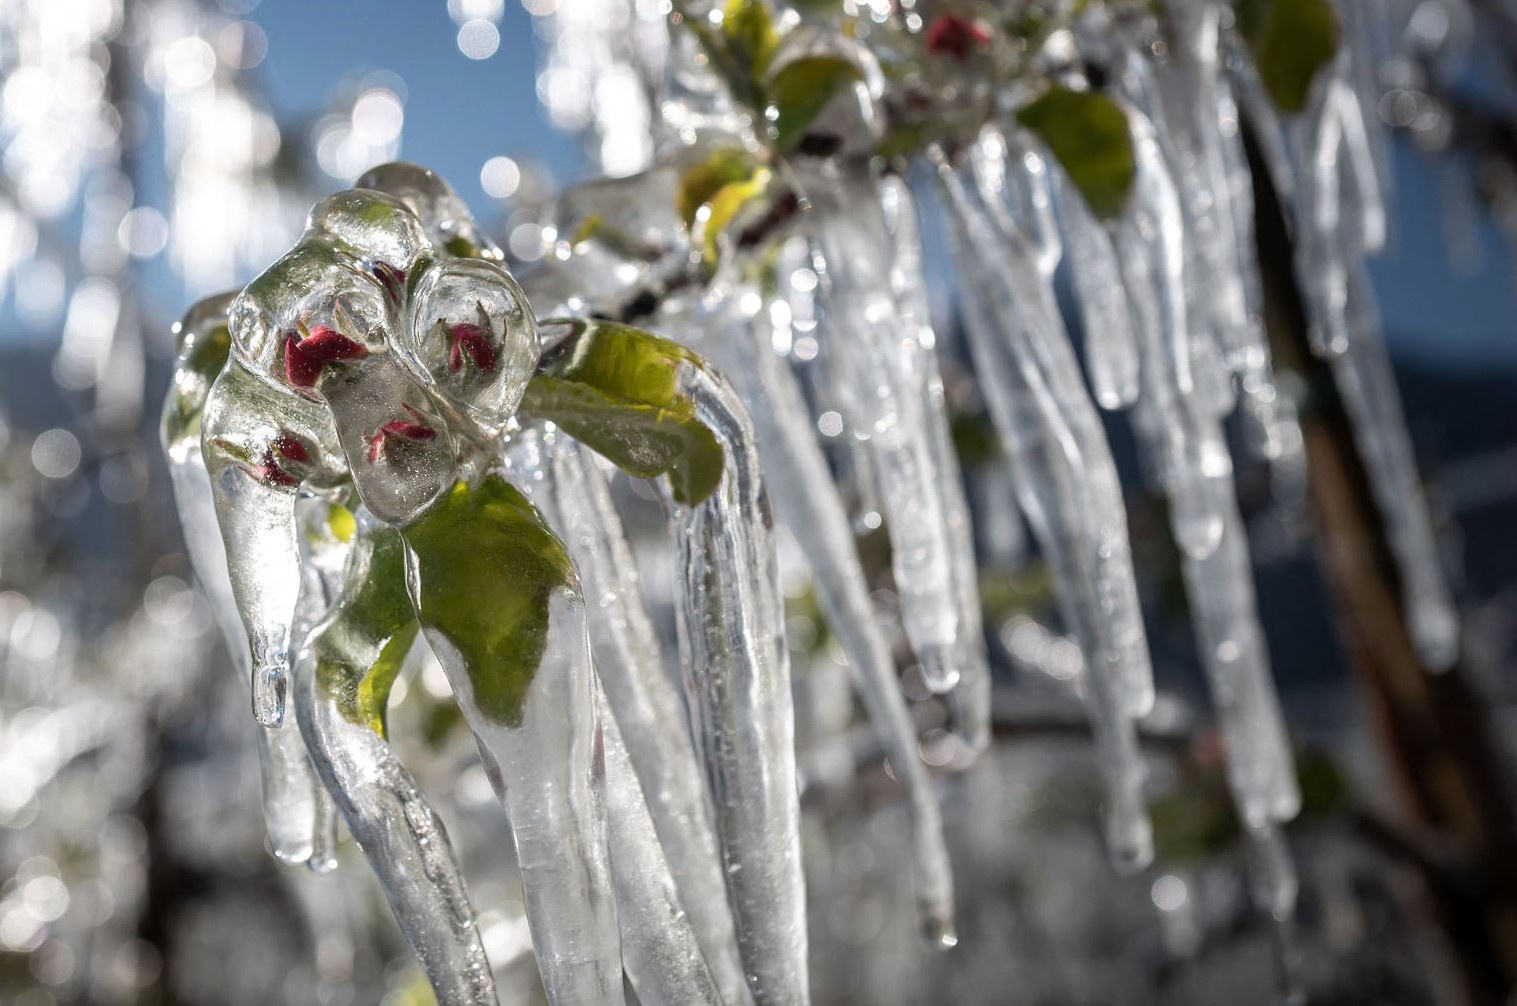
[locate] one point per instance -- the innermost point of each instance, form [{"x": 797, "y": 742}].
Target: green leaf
[
  {"x": 461, "y": 247},
  {"x": 1089, "y": 135},
  {"x": 1291, "y": 41},
  {"x": 485, "y": 566},
  {"x": 748, "y": 26},
  {"x": 722, "y": 184},
  {"x": 700, "y": 182},
  {"x": 799, "y": 92},
  {"x": 616, "y": 389},
  {"x": 362, "y": 642}
]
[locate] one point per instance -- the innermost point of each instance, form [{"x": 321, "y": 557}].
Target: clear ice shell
[
  {"x": 470, "y": 330},
  {"x": 401, "y": 835},
  {"x": 444, "y": 217}
]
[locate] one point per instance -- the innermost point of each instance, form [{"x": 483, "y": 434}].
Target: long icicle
[
  {"x": 1050, "y": 430},
  {"x": 970, "y": 699},
  {"x": 1335, "y": 228},
  {"x": 733, "y": 650},
  {"x": 873, "y": 374},
  {"x": 536, "y": 723},
  {"x": 808, "y": 505},
  {"x": 296, "y": 807},
  {"x": 652, "y": 734},
  {"x": 1181, "y": 432}
]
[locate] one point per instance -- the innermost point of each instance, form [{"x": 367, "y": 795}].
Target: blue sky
[{"x": 459, "y": 112}]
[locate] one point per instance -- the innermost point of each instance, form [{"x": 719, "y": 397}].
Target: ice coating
[
  {"x": 471, "y": 332},
  {"x": 350, "y": 660},
  {"x": 443, "y": 216},
  {"x": 806, "y": 503},
  {"x": 295, "y": 805},
  {"x": 659, "y": 950},
  {"x": 533, "y": 714}
]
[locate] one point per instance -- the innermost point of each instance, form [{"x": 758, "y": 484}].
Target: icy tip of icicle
[
  {"x": 938, "y": 671},
  {"x": 1435, "y": 633},
  {"x": 1130, "y": 846},
  {"x": 270, "y": 681},
  {"x": 939, "y": 933}
]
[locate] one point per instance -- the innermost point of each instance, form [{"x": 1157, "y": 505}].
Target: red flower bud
[
  {"x": 285, "y": 447},
  {"x": 956, "y": 35},
  {"x": 391, "y": 278},
  {"x": 303, "y": 358},
  {"x": 415, "y": 430},
  {"x": 475, "y": 341}
]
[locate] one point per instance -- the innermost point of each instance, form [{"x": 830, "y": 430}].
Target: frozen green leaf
[
  {"x": 1089, "y": 135},
  {"x": 484, "y": 566},
  {"x": 748, "y": 26},
  {"x": 362, "y": 642},
  {"x": 1291, "y": 41},
  {"x": 616, "y": 389},
  {"x": 799, "y": 92}
]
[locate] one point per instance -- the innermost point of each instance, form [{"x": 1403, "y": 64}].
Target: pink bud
[
  {"x": 415, "y": 430},
  {"x": 474, "y": 340},
  {"x": 955, "y": 35}
]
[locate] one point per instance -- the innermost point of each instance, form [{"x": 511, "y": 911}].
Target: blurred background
[{"x": 156, "y": 151}]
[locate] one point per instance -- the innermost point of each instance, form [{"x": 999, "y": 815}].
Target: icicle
[
  {"x": 659, "y": 948},
  {"x": 255, "y": 508},
  {"x": 970, "y": 699},
  {"x": 297, "y": 810},
  {"x": 806, "y": 503},
  {"x": 1192, "y": 461},
  {"x": 527, "y": 689},
  {"x": 1066, "y": 484},
  {"x": 1111, "y": 349},
  {"x": 1180, "y": 430},
  {"x": 1089, "y": 513},
  {"x": 1231, "y": 642},
  {"x": 1332, "y": 233},
  {"x": 733, "y": 649},
  {"x": 876, "y": 379},
  {"x": 1273, "y": 428},
  {"x": 566, "y": 483},
  {"x": 350, "y": 662}
]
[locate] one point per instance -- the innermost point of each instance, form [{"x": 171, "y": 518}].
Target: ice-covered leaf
[
  {"x": 1291, "y": 41},
  {"x": 362, "y": 642},
  {"x": 1089, "y": 135},
  {"x": 483, "y": 565},
  {"x": 800, "y": 91},
  {"x": 748, "y": 26},
  {"x": 617, "y": 389},
  {"x": 703, "y": 180}
]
